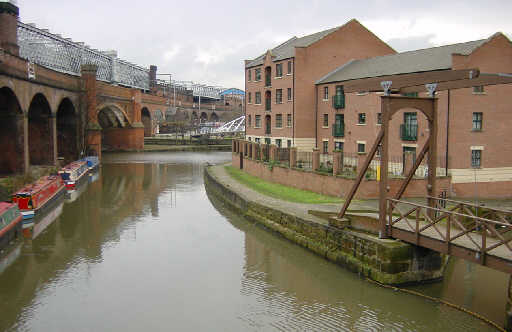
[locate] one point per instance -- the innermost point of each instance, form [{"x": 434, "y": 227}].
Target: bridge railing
[
  {"x": 452, "y": 227},
  {"x": 66, "y": 56}
]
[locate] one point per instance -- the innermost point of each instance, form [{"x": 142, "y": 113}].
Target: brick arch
[
  {"x": 40, "y": 127},
  {"x": 67, "y": 130},
  {"x": 120, "y": 114},
  {"x": 146, "y": 119},
  {"x": 11, "y": 132}
]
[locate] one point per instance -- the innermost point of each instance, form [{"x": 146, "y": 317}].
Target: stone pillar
[
  {"x": 408, "y": 162},
  {"x": 93, "y": 129},
  {"x": 271, "y": 152},
  {"x": 337, "y": 162},
  {"x": 293, "y": 157},
  {"x": 9, "y": 15},
  {"x": 53, "y": 126},
  {"x": 254, "y": 147},
  {"x": 316, "y": 159}
]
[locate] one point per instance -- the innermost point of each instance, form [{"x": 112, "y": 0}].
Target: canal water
[{"x": 143, "y": 247}]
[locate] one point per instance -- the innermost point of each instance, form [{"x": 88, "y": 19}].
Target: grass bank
[{"x": 279, "y": 191}]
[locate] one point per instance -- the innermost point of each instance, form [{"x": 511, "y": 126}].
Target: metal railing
[
  {"x": 338, "y": 131},
  {"x": 283, "y": 156},
  {"x": 305, "y": 160},
  {"x": 338, "y": 101},
  {"x": 458, "y": 228}
]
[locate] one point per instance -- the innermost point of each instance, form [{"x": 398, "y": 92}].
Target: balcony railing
[
  {"x": 338, "y": 101},
  {"x": 338, "y": 131},
  {"x": 409, "y": 132}
]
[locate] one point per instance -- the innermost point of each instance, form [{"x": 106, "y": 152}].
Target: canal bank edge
[{"x": 386, "y": 261}]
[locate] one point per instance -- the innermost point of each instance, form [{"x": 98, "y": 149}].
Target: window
[
  {"x": 279, "y": 121},
  {"x": 250, "y": 139},
  {"x": 361, "y": 147},
  {"x": 410, "y": 94},
  {"x": 478, "y": 89},
  {"x": 289, "y": 94},
  {"x": 249, "y": 75},
  {"x": 289, "y": 143},
  {"x": 378, "y": 153},
  {"x": 250, "y": 98},
  {"x": 477, "y": 121},
  {"x": 289, "y": 67},
  {"x": 326, "y": 120},
  {"x": 338, "y": 100},
  {"x": 361, "y": 118},
  {"x": 338, "y": 146},
  {"x": 326, "y": 93},
  {"x": 409, "y": 129},
  {"x": 288, "y": 120},
  {"x": 257, "y": 121},
  {"x": 249, "y": 121},
  {"x": 279, "y": 96},
  {"x": 257, "y": 140},
  {"x": 267, "y": 141},
  {"x": 325, "y": 148},
  {"x": 257, "y": 74},
  {"x": 257, "y": 98},
  {"x": 476, "y": 158},
  {"x": 379, "y": 118},
  {"x": 279, "y": 70},
  {"x": 278, "y": 142}
]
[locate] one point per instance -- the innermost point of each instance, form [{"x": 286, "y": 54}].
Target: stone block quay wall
[{"x": 386, "y": 261}]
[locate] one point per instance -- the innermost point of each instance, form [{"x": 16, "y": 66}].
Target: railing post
[
  {"x": 484, "y": 243},
  {"x": 293, "y": 157},
  {"x": 272, "y": 152},
  {"x": 336, "y": 162},
  {"x": 316, "y": 159},
  {"x": 417, "y": 225},
  {"x": 448, "y": 235}
]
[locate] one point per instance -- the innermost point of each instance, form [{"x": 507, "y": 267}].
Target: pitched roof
[
  {"x": 287, "y": 49},
  {"x": 428, "y": 59}
]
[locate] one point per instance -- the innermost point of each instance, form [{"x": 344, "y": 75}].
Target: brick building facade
[
  {"x": 280, "y": 90},
  {"x": 473, "y": 144}
]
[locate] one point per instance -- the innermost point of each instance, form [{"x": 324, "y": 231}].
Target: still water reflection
[{"x": 145, "y": 248}]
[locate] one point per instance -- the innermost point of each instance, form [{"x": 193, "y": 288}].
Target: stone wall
[{"x": 383, "y": 260}]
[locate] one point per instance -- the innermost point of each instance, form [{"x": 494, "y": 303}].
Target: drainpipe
[
  {"x": 316, "y": 116},
  {"x": 447, "y": 131},
  {"x": 293, "y": 102}
]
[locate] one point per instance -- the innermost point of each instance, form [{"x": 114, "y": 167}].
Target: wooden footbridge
[{"x": 472, "y": 232}]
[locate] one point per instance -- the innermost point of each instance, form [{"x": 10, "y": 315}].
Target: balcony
[
  {"x": 338, "y": 131},
  {"x": 409, "y": 132},
  {"x": 338, "y": 101}
]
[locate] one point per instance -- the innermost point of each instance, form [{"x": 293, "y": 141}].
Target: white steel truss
[{"x": 234, "y": 126}]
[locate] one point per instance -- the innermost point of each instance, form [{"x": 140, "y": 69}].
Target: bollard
[{"x": 316, "y": 159}]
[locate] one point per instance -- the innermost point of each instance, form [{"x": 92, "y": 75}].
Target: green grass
[{"x": 279, "y": 191}]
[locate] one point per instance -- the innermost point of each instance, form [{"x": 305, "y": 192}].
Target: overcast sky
[{"x": 207, "y": 41}]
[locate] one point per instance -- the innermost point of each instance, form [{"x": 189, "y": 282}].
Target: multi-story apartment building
[
  {"x": 280, "y": 84},
  {"x": 473, "y": 123}
]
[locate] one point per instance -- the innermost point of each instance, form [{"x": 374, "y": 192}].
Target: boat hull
[{"x": 10, "y": 223}]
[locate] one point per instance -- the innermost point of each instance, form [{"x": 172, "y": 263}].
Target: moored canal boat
[
  {"x": 10, "y": 223},
  {"x": 34, "y": 197},
  {"x": 93, "y": 162},
  {"x": 73, "y": 173}
]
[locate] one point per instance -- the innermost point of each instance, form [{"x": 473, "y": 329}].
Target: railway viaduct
[{"x": 63, "y": 99}]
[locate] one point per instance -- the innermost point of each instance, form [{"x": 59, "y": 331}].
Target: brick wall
[{"x": 329, "y": 185}]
